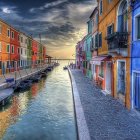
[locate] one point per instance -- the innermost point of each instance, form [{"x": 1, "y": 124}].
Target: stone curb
[{"x": 83, "y": 132}]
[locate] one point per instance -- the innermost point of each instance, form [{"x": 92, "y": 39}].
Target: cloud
[
  {"x": 48, "y": 5},
  {"x": 6, "y": 10},
  {"x": 61, "y": 23}
]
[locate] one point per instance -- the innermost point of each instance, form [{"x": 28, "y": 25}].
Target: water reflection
[{"x": 44, "y": 112}]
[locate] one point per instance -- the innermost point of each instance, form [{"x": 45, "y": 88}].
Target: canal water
[{"x": 44, "y": 112}]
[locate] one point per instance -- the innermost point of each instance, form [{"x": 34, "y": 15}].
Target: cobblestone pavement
[{"x": 106, "y": 117}]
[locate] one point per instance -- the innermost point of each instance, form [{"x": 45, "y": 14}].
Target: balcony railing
[{"x": 117, "y": 40}]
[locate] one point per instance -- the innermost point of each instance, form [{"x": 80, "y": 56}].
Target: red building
[
  {"x": 44, "y": 54},
  {"x": 34, "y": 53},
  {"x": 14, "y": 49}
]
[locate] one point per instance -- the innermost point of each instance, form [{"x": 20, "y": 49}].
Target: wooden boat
[
  {"x": 35, "y": 78},
  {"x": 65, "y": 68},
  {"x": 5, "y": 95},
  {"x": 24, "y": 85},
  {"x": 49, "y": 69},
  {"x": 43, "y": 74}
]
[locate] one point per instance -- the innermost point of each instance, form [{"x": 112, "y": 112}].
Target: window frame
[
  {"x": 7, "y": 48},
  {"x": 101, "y": 6}
]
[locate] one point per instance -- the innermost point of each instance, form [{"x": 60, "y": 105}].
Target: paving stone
[{"x": 106, "y": 117}]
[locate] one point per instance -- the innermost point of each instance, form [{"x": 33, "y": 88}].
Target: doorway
[
  {"x": 108, "y": 77},
  {"x": 121, "y": 86}
]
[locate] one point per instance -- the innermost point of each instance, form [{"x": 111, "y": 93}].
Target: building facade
[
  {"x": 114, "y": 48},
  {"x": 29, "y": 51},
  {"x": 94, "y": 43},
  {"x": 14, "y": 49},
  {"x": 88, "y": 40},
  {"x": 4, "y": 47},
  {"x": 34, "y": 53},
  {"x": 23, "y": 50},
  {"x": 135, "y": 55}
]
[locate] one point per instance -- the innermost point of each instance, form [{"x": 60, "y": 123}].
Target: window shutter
[
  {"x": 120, "y": 23},
  {"x": 138, "y": 24}
]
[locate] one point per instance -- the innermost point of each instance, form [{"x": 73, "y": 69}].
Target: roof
[
  {"x": 95, "y": 9},
  {"x": 47, "y": 56}
]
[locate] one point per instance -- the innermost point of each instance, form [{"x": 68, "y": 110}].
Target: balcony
[{"x": 117, "y": 41}]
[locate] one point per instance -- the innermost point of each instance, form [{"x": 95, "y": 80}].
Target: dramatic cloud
[{"x": 61, "y": 23}]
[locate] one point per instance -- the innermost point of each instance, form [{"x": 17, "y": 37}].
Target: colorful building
[
  {"x": 94, "y": 43},
  {"x": 29, "y": 51},
  {"x": 88, "y": 40},
  {"x": 23, "y": 50},
  {"x": 114, "y": 48},
  {"x": 44, "y": 54},
  {"x": 4, "y": 47},
  {"x": 14, "y": 49},
  {"x": 135, "y": 55},
  {"x": 34, "y": 52}
]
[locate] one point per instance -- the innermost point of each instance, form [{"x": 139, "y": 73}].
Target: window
[
  {"x": 101, "y": 70},
  {"x": 21, "y": 51},
  {"x": 101, "y": 7},
  {"x": 96, "y": 40},
  {"x": 100, "y": 40},
  {"x": 0, "y": 46},
  {"x": 109, "y": 1},
  {"x": 8, "y": 32},
  {"x": 97, "y": 19},
  {"x": 18, "y": 50},
  {"x": 8, "y": 64},
  {"x": 0, "y": 28},
  {"x": 12, "y": 64},
  {"x": 138, "y": 27},
  {"x": 18, "y": 38},
  {"x": 21, "y": 39},
  {"x": 12, "y": 49},
  {"x": 0, "y": 65},
  {"x": 12, "y": 35},
  {"x": 110, "y": 29},
  {"x": 25, "y": 52},
  {"x": 8, "y": 48}
]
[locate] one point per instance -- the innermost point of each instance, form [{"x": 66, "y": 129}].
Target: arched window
[{"x": 122, "y": 17}]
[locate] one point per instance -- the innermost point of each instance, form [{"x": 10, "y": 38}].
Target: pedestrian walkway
[
  {"x": 22, "y": 73},
  {"x": 106, "y": 117}
]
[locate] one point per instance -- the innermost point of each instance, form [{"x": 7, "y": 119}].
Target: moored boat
[{"x": 5, "y": 96}]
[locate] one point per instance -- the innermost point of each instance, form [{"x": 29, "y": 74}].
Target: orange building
[
  {"x": 114, "y": 48},
  {"x": 4, "y": 47}
]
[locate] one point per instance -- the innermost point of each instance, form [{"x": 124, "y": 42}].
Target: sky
[{"x": 61, "y": 23}]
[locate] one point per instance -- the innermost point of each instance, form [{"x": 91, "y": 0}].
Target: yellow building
[{"x": 114, "y": 48}]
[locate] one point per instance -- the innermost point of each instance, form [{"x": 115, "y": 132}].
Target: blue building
[{"x": 135, "y": 55}]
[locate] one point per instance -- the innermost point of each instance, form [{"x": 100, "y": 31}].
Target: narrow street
[{"x": 106, "y": 117}]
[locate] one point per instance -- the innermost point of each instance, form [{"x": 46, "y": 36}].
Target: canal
[{"x": 44, "y": 112}]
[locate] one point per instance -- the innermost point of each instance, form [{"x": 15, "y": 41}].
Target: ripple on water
[{"x": 45, "y": 112}]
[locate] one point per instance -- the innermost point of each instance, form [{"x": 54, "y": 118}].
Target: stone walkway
[{"x": 106, "y": 117}]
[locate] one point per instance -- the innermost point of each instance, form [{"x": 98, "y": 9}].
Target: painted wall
[
  {"x": 135, "y": 49},
  {"x": 109, "y": 16},
  {"x": 88, "y": 55},
  {"x": 29, "y": 51},
  {"x": 34, "y": 52},
  {"x": 23, "y": 50},
  {"x": 5, "y": 40},
  {"x": 15, "y": 42}
]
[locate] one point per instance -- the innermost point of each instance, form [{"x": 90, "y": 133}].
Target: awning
[{"x": 98, "y": 59}]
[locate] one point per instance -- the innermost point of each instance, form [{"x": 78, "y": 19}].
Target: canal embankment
[
  {"x": 103, "y": 116},
  {"x": 83, "y": 132},
  {"x": 20, "y": 75}
]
